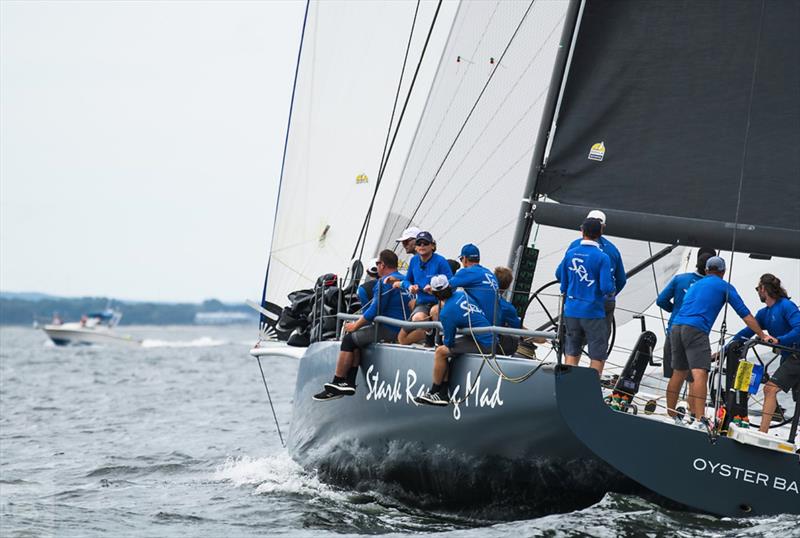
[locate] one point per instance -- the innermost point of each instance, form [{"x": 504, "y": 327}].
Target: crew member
[
  {"x": 408, "y": 239},
  {"x": 475, "y": 279},
  {"x": 585, "y": 276},
  {"x": 671, "y": 298},
  {"x": 365, "y": 290},
  {"x": 781, "y": 320},
  {"x": 506, "y": 314},
  {"x": 458, "y": 311},
  {"x": 424, "y": 265},
  {"x": 691, "y": 348},
  {"x": 392, "y": 303},
  {"x": 617, "y": 269}
]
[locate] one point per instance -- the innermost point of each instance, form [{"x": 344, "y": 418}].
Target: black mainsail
[{"x": 682, "y": 121}]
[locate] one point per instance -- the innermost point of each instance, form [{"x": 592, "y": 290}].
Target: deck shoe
[
  {"x": 325, "y": 396},
  {"x": 432, "y": 399},
  {"x": 341, "y": 388}
]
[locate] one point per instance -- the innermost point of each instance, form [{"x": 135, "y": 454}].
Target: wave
[
  {"x": 274, "y": 474},
  {"x": 203, "y": 341}
]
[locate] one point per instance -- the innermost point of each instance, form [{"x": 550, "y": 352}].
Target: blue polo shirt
[
  {"x": 480, "y": 284},
  {"x": 459, "y": 312},
  {"x": 420, "y": 273},
  {"x": 671, "y": 297},
  {"x": 704, "y": 300},
  {"x": 617, "y": 269},
  {"x": 393, "y": 302},
  {"x": 507, "y": 315},
  {"x": 585, "y": 276},
  {"x": 781, "y": 320}
]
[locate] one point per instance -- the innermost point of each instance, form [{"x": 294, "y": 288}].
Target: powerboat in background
[{"x": 93, "y": 328}]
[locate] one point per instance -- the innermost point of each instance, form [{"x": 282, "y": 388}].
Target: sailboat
[
  {"x": 484, "y": 120},
  {"x": 691, "y": 112}
]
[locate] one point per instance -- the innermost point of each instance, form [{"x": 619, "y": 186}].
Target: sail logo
[
  {"x": 725, "y": 470},
  {"x": 579, "y": 269},
  {"x": 598, "y": 152},
  {"x": 399, "y": 390},
  {"x": 361, "y": 178}
]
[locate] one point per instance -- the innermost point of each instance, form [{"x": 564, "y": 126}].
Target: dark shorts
[
  {"x": 691, "y": 348},
  {"x": 466, "y": 344},
  {"x": 787, "y": 376},
  {"x": 424, "y": 308},
  {"x": 365, "y": 336},
  {"x": 666, "y": 360},
  {"x": 592, "y": 331}
]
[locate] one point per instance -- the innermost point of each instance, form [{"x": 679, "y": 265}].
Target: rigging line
[
  {"x": 472, "y": 110},
  {"x": 411, "y": 187},
  {"x": 382, "y": 165},
  {"x": 274, "y": 415},
  {"x": 741, "y": 186},
  {"x": 285, "y": 146},
  {"x": 655, "y": 283},
  {"x": 501, "y": 106}
]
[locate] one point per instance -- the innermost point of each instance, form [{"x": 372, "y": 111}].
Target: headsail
[
  {"x": 667, "y": 110},
  {"x": 346, "y": 83}
]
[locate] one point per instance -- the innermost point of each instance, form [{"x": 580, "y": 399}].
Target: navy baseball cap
[
  {"x": 425, "y": 236},
  {"x": 592, "y": 227},
  {"x": 470, "y": 252}
]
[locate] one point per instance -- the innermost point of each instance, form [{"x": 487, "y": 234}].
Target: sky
[{"x": 140, "y": 145}]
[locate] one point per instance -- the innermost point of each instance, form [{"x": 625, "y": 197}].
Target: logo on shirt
[
  {"x": 579, "y": 269},
  {"x": 597, "y": 152},
  {"x": 487, "y": 279},
  {"x": 468, "y": 308}
]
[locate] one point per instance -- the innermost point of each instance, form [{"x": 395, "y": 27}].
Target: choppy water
[{"x": 175, "y": 439}]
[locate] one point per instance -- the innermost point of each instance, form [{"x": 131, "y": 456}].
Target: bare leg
[
  {"x": 597, "y": 365},
  {"x": 344, "y": 363},
  {"x": 572, "y": 360},
  {"x": 673, "y": 390},
  {"x": 770, "y": 403},
  {"x": 697, "y": 397},
  {"x": 440, "y": 364},
  {"x": 417, "y": 335}
]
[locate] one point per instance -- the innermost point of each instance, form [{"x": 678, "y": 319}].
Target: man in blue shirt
[
  {"x": 615, "y": 258},
  {"x": 458, "y": 312},
  {"x": 424, "y": 265},
  {"x": 585, "y": 276},
  {"x": 781, "y": 319},
  {"x": 506, "y": 315},
  {"x": 365, "y": 291},
  {"x": 671, "y": 298},
  {"x": 475, "y": 279},
  {"x": 691, "y": 348},
  {"x": 389, "y": 302}
]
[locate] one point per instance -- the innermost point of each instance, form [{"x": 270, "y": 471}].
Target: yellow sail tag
[
  {"x": 743, "y": 374},
  {"x": 361, "y": 178},
  {"x": 597, "y": 152}
]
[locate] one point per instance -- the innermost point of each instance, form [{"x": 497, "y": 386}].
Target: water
[{"x": 176, "y": 439}]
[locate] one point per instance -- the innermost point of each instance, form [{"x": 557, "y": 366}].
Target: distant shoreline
[{"x": 21, "y": 309}]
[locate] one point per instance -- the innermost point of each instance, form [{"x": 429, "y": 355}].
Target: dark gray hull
[
  {"x": 725, "y": 477},
  {"x": 507, "y": 442}
]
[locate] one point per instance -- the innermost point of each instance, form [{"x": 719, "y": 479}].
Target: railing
[{"x": 411, "y": 325}]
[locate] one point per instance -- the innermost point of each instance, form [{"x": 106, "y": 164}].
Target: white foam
[
  {"x": 273, "y": 474},
  {"x": 203, "y": 341}
]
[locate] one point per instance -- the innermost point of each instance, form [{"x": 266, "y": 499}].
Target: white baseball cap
[
  {"x": 409, "y": 233},
  {"x": 597, "y": 214},
  {"x": 439, "y": 282},
  {"x": 372, "y": 267}
]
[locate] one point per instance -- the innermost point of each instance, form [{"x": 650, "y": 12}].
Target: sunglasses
[{"x": 423, "y": 243}]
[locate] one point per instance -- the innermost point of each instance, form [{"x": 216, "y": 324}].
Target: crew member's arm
[
  {"x": 562, "y": 275},
  {"x": 746, "y": 333},
  {"x": 448, "y": 329},
  {"x": 356, "y": 325},
  {"x": 666, "y": 297},
  {"x": 739, "y": 307},
  {"x": 620, "y": 279},
  {"x": 607, "y": 286}
]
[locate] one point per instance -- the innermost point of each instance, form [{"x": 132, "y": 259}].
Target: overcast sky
[{"x": 140, "y": 145}]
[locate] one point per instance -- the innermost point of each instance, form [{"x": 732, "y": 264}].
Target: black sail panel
[{"x": 687, "y": 99}]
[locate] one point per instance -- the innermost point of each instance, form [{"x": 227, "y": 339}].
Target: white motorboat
[{"x": 93, "y": 328}]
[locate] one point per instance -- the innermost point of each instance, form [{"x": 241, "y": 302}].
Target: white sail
[{"x": 348, "y": 75}]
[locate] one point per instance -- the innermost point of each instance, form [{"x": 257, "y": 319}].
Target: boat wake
[{"x": 203, "y": 341}]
